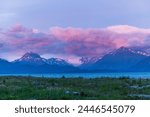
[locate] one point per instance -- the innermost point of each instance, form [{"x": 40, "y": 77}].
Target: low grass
[{"x": 31, "y": 88}]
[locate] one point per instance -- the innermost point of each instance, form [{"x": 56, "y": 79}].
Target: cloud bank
[{"x": 70, "y": 43}]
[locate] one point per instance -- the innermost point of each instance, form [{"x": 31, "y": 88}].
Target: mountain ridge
[
  {"x": 119, "y": 60},
  {"x": 33, "y": 63}
]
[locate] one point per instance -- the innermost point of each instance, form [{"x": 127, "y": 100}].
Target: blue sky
[
  {"x": 43, "y": 14},
  {"x": 71, "y": 29}
]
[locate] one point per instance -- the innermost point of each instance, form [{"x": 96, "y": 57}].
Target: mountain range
[
  {"x": 120, "y": 60},
  {"x": 34, "y": 63}
]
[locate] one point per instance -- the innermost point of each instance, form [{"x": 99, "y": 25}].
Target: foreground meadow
[{"x": 31, "y": 88}]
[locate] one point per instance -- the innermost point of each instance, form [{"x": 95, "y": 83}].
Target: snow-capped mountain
[
  {"x": 120, "y": 59},
  {"x": 57, "y": 61},
  {"x": 143, "y": 49},
  {"x": 34, "y": 63},
  {"x": 31, "y": 58},
  {"x": 35, "y": 59}
]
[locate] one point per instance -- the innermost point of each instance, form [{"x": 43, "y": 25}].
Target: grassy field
[{"x": 31, "y": 88}]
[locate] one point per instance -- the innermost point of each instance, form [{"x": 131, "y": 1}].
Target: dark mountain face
[
  {"x": 4, "y": 66},
  {"x": 143, "y": 65},
  {"x": 120, "y": 59},
  {"x": 3, "y": 62}
]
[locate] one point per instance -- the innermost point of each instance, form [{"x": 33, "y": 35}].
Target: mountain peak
[
  {"x": 31, "y": 55},
  {"x": 31, "y": 58},
  {"x": 123, "y": 49}
]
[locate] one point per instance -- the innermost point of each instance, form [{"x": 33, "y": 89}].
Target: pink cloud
[
  {"x": 70, "y": 42},
  {"x": 96, "y": 42},
  {"x": 126, "y": 29}
]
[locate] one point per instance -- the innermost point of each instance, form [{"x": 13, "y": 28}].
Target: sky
[
  {"x": 72, "y": 29},
  {"x": 74, "y": 13}
]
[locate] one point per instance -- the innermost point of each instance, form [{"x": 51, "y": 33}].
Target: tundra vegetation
[{"x": 34, "y": 88}]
